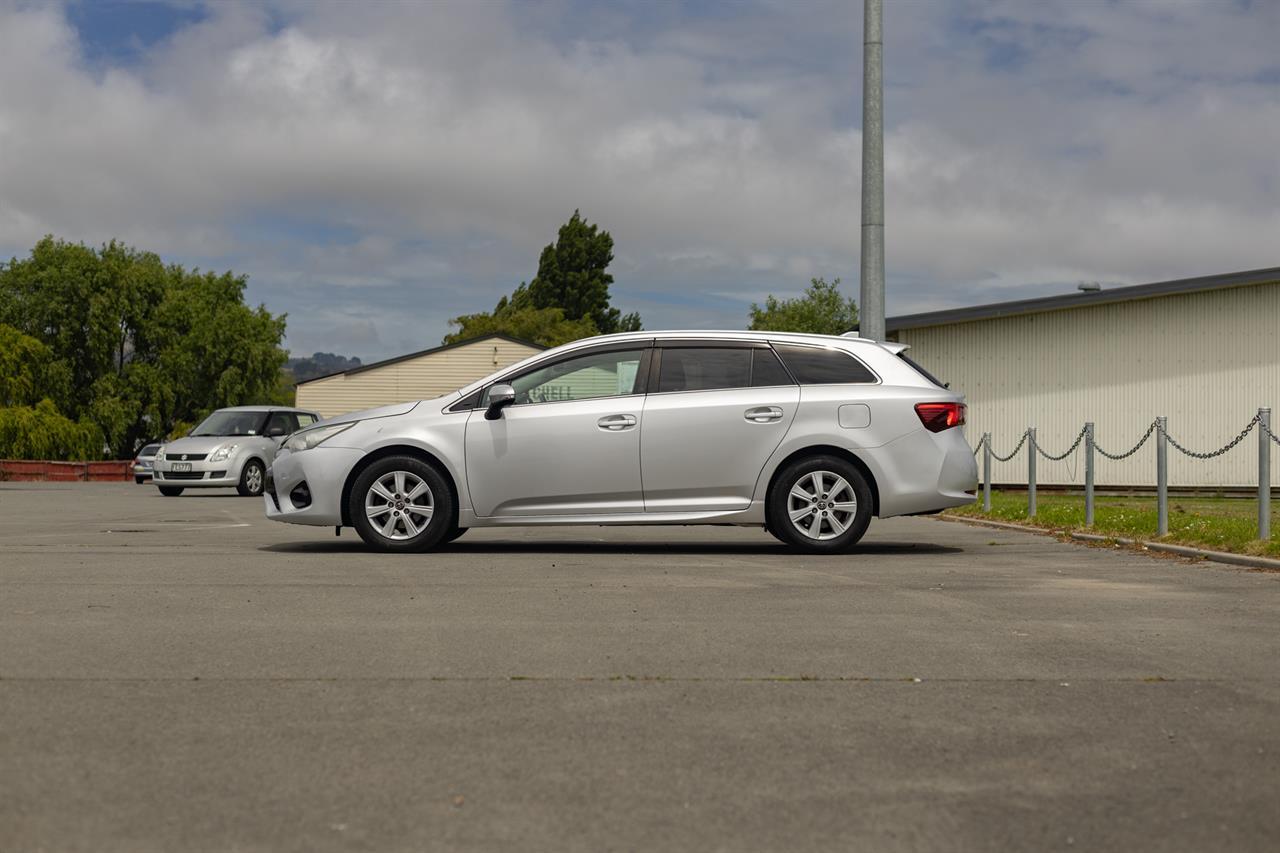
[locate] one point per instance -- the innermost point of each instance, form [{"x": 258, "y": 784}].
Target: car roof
[
  {"x": 730, "y": 335},
  {"x": 265, "y": 409}
]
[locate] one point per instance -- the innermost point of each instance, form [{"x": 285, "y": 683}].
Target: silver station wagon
[{"x": 807, "y": 435}]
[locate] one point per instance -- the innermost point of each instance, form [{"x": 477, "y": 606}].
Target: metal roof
[
  {"x": 374, "y": 365},
  {"x": 1081, "y": 299}
]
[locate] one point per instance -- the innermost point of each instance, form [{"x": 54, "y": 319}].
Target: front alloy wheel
[
  {"x": 401, "y": 503},
  {"x": 251, "y": 479},
  {"x": 821, "y": 504}
]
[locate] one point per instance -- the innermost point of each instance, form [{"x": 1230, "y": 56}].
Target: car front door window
[{"x": 585, "y": 377}]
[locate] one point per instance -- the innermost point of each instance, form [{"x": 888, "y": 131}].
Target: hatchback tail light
[{"x": 939, "y": 416}]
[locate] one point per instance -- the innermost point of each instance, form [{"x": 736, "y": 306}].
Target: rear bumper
[
  {"x": 324, "y": 471},
  {"x": 924, "y": 472}
]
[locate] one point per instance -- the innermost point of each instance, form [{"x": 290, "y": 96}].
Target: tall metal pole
[
  {"x": 986, "y": 472},
  {"x": 871, "y": 304}
]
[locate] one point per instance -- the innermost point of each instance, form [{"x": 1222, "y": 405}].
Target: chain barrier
[
  {"x": 978, "y": 447},
  {"x": 1014, "y": 452},
  {"x": 1130, "y": 451},
  {"x": 1064, "y": 454},
  {"x": 1221, "y": 450},
  {"x": 1271, "y": 435}
]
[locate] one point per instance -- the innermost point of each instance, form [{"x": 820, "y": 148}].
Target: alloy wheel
[
  {"x": 821, "y": 505},
  {"x": 399, "y": 505}
]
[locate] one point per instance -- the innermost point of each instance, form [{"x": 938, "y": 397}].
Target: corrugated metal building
[
  {"x": 416, "y": 376},
  {"x": 1205, "y": 352}
]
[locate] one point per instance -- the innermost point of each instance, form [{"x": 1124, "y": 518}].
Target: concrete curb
[{"x": 1245, "y": 560}]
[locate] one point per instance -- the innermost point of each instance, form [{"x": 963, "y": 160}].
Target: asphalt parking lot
[{"x": 181, "y": 674}]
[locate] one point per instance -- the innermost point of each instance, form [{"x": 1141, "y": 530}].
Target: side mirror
[
  {"x": 276, "y": 432},
  {"x": 500, "y": 396}
]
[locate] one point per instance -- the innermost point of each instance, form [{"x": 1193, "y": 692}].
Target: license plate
[{"x": 179, "y": 467}]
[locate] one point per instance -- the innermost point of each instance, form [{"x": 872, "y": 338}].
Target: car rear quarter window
[
  {"x": 704, "y": 368},
  {"x": 820, "y": 366},
  {"x": 766, "y": 370}
]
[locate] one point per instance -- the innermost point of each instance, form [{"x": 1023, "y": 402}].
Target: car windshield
[
  {"x": 149, "y": 450},
  {"x": 231, "y": 423}
]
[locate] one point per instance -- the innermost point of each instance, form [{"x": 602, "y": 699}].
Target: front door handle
[
  {"x": 763, "y": 414},
  {"x": 616, "y": 423}
]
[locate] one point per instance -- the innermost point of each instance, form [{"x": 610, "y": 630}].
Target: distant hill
[{"x": 319, "y": 364}]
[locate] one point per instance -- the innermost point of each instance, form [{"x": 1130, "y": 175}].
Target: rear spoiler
[{"x": 892, "y": 346}]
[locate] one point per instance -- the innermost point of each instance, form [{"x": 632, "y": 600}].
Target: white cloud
[{"x": 421, "y": 154}]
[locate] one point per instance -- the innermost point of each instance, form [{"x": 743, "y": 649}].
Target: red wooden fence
[{"x": 31, "y": 469}]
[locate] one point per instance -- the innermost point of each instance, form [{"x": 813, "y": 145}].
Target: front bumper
[
  {"x": 203, "y": 474},
  {"x": 323, "y": 470}
]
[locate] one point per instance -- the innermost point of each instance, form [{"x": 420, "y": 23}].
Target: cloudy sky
[{"x": 377, "y": 168}]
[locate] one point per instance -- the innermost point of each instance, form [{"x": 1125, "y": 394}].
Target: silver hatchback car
[
  {"x": 807, "y": 435},
  {"x": 231, "y": 447}
]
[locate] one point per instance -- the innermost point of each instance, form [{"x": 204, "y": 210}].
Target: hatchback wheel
[
  {"x": 252, "y": 478},
  {"x": 402, "y": 504},
  {"x": 820, "y": 504}
]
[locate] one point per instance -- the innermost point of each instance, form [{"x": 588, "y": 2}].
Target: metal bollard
[
  {"x": 1264, "y": 474},
  {"x": 1088, "y": 474},
  {"x": 1031, "y": 472},
  {"x": 986, "y": 472},
  {"x": 1162, "y": 477}
]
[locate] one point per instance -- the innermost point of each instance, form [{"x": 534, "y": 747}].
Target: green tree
[
  {"x": 40, "y": 432},
  {"x": 140, "y": 345},
  {"x": 516, "y": 316},
  {"x": 568, "y": 299},
  {"x": 28, "y": 371},
  {"x": 821, "y": 310}
]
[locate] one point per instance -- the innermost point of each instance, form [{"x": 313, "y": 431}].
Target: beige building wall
[
  {"x": 428, "y": 375},
  {"x": 1205, "y": 360}
]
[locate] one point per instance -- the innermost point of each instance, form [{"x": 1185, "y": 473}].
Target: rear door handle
[
  {"x": 616, "y": 423},
  {"x": 764, "y": 414}
]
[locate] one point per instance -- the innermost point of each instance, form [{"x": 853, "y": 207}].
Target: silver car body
[
  {"x": 684, "y": 457},
  {"x": 197, "y": 456}
]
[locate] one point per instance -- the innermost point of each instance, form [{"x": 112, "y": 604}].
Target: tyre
[
  {"x": 252, "y": 478},
  {"x": 820, "y": 504},
  {"x": 139, "y": 480},
  {"x": 453, "y": 534},
  {"x": 170, "y": 491},
  {"x": 401, "y": 503}
]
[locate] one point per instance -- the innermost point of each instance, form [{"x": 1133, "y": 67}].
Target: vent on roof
[{"x": 1089, "y": 286}]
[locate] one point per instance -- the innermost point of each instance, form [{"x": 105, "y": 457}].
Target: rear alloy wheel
[
  {"x": 821, "y": 504},
  {"x": 170, "y": 491},
  {"x": 252, "y": 478},
  {"x": 402, "y": 504}
]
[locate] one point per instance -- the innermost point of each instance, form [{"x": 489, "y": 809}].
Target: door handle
[
  {"x": 763, "y": 414},
  {"x": 616, "y": 423}
]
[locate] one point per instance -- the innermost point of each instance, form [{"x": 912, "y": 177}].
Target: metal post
[
  {"x": 1162, "y": 477},
  {"x": 871, "y": 304},
  {"x": 1264, "y": 474},
  {"x": 986, "y": 472},
  {"x": 1031, "y": 472},
  {"x": 1088, "y": 474}
]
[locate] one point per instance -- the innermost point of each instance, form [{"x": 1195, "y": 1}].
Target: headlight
[
  {"x": 223, "y": 452},
  {"x": 309, "y": 438},
  {"x": 159, "y": 453}
]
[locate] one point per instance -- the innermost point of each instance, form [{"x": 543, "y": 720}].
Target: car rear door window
[
  {"x": 704, "y": 368},
  {"x": 766, "y": 370},
  {"x": 305, "y": 420},
  {"x": 821, "y": 366}
]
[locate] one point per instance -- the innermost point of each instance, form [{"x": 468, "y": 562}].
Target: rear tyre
[
  {"x": 170, "y": 491},
  {"x": 252, "y": 478},
  {"x": 402, "y": 504},
  {"x": 820, "y": 505}
]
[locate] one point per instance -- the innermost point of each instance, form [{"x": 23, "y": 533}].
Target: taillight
[{"x": 939, "y": 416}]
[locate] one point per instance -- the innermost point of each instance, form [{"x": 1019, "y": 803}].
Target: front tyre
[
  {"x": 401, "y": 503},
  {"x": 252, "y": 478},
  {"x": 170, "y": 491},
  {"x": 821, "y": 504}
]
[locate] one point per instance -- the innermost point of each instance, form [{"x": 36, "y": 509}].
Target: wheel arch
[
  {"x": 829, "y": 450},
  {"x": 393, "y": 450}
]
